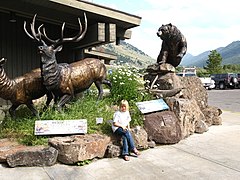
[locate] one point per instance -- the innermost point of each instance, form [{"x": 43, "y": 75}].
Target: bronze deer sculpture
[
  {"x": 66, "y": 80},
  {"x": 23, "y": 89}
]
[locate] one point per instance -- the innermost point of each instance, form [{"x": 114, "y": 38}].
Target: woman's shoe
[
  {"x": 126, "y": 158},
  {"x": 136, "y": 152}
]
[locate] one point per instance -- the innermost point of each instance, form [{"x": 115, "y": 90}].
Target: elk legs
[
  {"x": 33, "y": 109},
  {"x": 12, "y": 111},
  {"x": 98, "y": 84},
  {"x": 64, "y": 99},
  {"x": 107, "y": 82},
  {"x": 49, "y": 99}
]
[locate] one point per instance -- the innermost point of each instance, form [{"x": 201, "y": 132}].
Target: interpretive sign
[
  {"x": 152, "y": 106},
  {"x": 48, "y": 127},
  {"x": 99, "y": 120}
]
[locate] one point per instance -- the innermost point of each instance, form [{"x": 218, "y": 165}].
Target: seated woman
[{"x": 121, "y": 126}]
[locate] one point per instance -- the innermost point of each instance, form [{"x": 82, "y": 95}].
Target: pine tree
[{"x": 214, "y": 63}]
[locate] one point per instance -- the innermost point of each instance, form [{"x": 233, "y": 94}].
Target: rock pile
[{"x": 186, "y": 97}]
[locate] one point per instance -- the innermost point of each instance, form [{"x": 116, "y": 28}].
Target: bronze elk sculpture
[
  {"x": 22, "y": 90},
  {"x": 65, "y": 80}
]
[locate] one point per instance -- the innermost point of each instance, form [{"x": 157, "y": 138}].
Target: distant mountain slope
[
  {"x": 126, "y": 53},
  {"x": 230, "y": 55}
]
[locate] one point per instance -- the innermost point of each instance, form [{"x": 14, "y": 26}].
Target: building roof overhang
[
  {"x": 58, "y": 11},
  {"x": 105, "y": 25}
]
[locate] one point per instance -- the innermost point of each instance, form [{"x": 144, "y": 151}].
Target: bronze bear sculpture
[{"x": 174, "y": 45}]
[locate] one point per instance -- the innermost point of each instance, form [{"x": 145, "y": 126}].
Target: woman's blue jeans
[{"x": 127, "y": 139}]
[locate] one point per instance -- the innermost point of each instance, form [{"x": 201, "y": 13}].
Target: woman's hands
[{"x": 125, "y": 128}]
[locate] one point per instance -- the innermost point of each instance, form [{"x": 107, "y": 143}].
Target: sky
[{"x": 206, "y": 24}]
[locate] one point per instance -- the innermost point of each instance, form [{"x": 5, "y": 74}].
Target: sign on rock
[
  {"x": 152, "y": 106},
  {"x": 49, "y": 127}
]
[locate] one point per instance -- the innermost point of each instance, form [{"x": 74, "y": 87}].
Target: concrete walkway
[{"x": 212, "y": 155}]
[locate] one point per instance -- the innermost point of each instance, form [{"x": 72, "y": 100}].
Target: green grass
[{"x": 22, "y": 128}]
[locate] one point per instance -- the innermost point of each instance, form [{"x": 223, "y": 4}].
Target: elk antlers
[
  {"x": 34, "y": 35},
  {"x": 55, "y": 43}
]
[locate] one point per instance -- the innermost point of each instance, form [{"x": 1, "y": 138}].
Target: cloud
[{"x": 206, "y": 25}]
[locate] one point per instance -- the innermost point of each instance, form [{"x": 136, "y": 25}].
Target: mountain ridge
[
  {"x": 131, "y": 55},
  {"x": 230, "y": 55}
]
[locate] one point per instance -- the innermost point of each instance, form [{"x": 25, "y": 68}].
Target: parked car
[
  {"x": 188, "y": 72},
  {"x": 238, "y": 80},
  {"x": 208, "y": 82},
  {"x": 226, "y": 80}
]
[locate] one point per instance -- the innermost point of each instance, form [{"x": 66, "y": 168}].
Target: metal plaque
[{"x": 152, "y": 106}]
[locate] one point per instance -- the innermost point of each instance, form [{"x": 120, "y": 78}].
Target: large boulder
[
  {"x": 113, "y": 151},
  {"x": 157, "y": 68},
  {"x": 140, "y": 137},
  {"x": 163, "y": 81},
  {"x": 2, "y": 115},
  {"x": 163, "y": 127},
  {"x": 201, "y": 127},
  {"x": 212, "y": 115},
  {"x": 8, "y": 147},
  {"x": 193, "y": 89},
  {"x": 73, "y": 149},
  {"x": 188, "y": 113},
  {"x": 33, "y": 156}
]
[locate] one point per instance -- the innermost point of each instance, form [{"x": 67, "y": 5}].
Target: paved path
[
  {"x": 228, "y": 99},
  {"x": 214, "y": 155}
]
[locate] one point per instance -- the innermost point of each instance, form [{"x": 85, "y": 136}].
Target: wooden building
[{"x": 105, "y": 25}]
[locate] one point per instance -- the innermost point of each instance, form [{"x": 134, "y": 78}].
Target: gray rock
[
  {"x": 113, "y": 151},
  {"x": 8, "y": 147},
  {"x": 151, "y": 144},
  {"x": 163, "y": 127},
  {"x": 73, "y": 149},
  {"x": 188, "y": 114},
  {"x": 35, "y": 156},
  {"x": 193, "y": 89},
  {"x": 212, "y": 115},
  {"x": 166, "y": 81},
  {"x": 160, "y": 68},
  {"x": 2, "y": 115},
  {"x": 140, "y": 137},
  {"x": 201, "y": 127}
]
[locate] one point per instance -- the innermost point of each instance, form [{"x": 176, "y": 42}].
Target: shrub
[{"x": 125, "y": 84}]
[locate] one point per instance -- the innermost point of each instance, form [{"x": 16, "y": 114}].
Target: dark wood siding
[{"x": 16, "y": 47}]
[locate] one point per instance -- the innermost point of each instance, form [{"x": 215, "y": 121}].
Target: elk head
[
  {"x": 56, "y": 45},
  {"x": 2, "y": 61}
]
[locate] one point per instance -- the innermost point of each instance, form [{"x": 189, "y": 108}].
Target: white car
[{"x": 207, "y": 82}]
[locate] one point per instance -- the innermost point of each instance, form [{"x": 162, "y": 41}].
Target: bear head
[{"x": 165, "y": 31}]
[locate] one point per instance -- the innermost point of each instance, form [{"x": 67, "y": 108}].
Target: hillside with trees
[
  {"x": 230, "y": 55},
  {"x": 128, "y": 54},
  {"x": 214, "y": 66}
]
